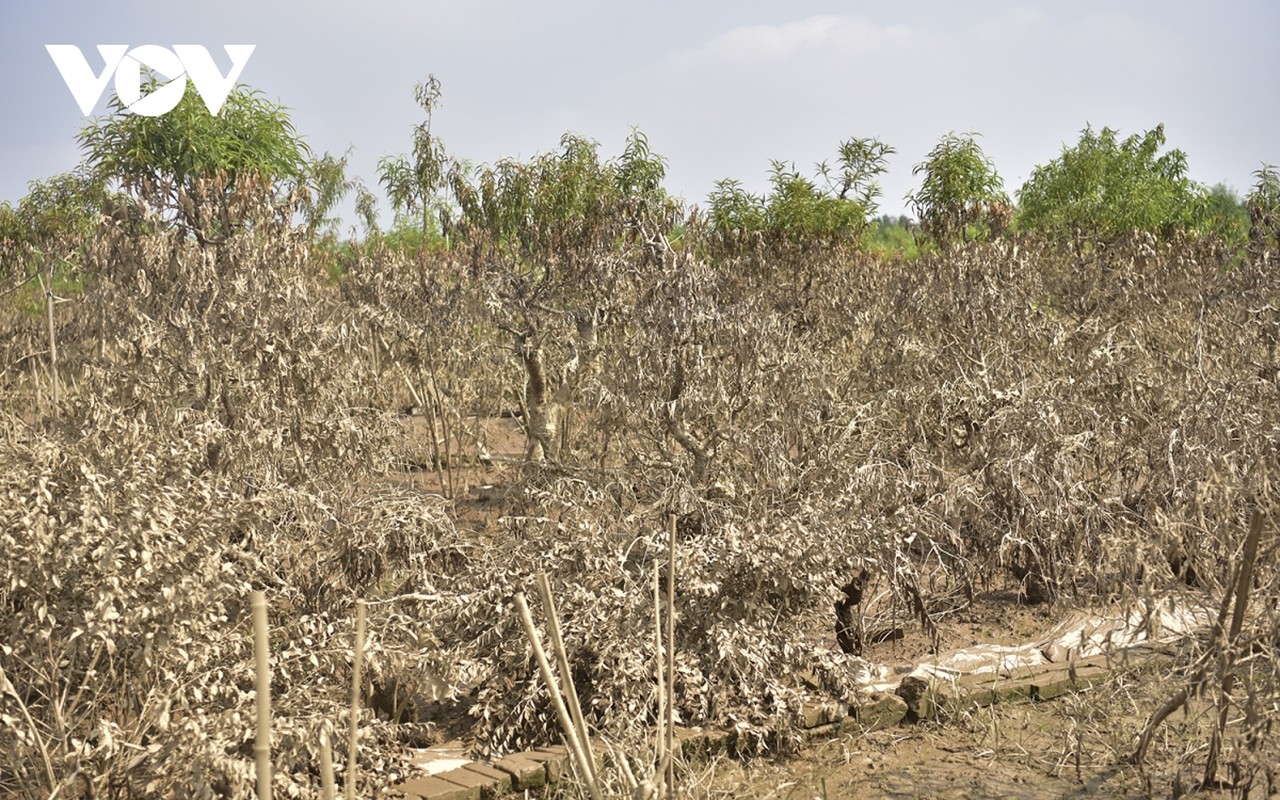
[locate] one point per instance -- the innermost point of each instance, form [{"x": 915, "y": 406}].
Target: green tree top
[
  {"x": 564, "y": 208},
  {"x": 416, "y": 183},
  {"x": 1105, "y": 187},
  {"x": 189, "y": 152},
  {"x": 830, "y": 209},
  {"x": 64, "y": 206},
  {"x": 961, "y": 187},
  {"x": 1263, "y": 204}
]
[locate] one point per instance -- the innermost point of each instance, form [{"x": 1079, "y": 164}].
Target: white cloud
[{"x": 768, "y": 45}]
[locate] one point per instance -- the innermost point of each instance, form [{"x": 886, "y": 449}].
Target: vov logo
[{"x": 183, "y": 61}]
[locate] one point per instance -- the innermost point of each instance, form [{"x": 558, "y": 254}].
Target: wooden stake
[
  {"x": 327, "y": 784},
  {"x": 659, "y": 666},
  {"x": 356, "y": 678},
  {"x": 671, "y": 660},
  {"x": 262, "y": 657},
  {"x": 580, "y": 757},
  {"x": 53, "y": 340},
  {"x": 562, "y": 663}
]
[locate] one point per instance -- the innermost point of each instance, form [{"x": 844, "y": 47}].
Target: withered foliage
[{"x": 219, "y": 419}]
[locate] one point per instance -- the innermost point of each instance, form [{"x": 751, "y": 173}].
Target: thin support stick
[
  {"x": 327, "y": 784},
  {"x": 566, "y": 723},
  {"x": 562, "y": 664},
  {"x": 659, "y": 666},
  {"x": 671, "y": 660},
  {"x": 356, "y": 678},
  {"x": 262, "y": 657}
]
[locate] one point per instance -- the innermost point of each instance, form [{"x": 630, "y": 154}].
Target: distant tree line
[{"x": 182, "y": 169}]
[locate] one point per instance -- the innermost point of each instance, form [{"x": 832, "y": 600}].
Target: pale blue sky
[{"x": 719, "y": 87}]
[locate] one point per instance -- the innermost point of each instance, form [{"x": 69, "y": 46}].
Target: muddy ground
[{"x": 1074, "y": 746}]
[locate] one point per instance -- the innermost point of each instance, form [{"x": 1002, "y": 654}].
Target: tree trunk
[
  {"x": 544, "y": 415},
  {"x": 547, "y": 407}
]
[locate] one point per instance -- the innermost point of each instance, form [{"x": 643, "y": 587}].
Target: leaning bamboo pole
[
  {"x": 562, "y": 663},
  {"x": 580, "y": 757}
]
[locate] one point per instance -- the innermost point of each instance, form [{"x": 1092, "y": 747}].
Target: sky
[{"x": 721, "y": 89}]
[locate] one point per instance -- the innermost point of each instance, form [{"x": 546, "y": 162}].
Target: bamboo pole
[
  {"x": 327, "y": 785},
  {"x": 262, "y": 657},
  {"x": 429, "y": 406},
  {"x": 660, "y": 666},
  {"x": 562, "y": 663},
  {"x": 357, "y": 666},
  {"x": 671, "y": 660},
  {"x": 446, "y": 434},
  {"x": 566, "y": 723}
]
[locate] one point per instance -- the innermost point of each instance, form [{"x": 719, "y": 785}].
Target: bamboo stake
[
  {"x": 358, "y": 659},
  {"x": 262, "y": 657},
  {"x": 671, "y": 660},
  {"x": 37, "y": 395},
  {"x": 327, "y": 784},
  {"x": 429, "y": 405},
  {"x": 660, "y": 666},
  {"x": 566, "y": 723},
  {"x": 562, "y": 663}
]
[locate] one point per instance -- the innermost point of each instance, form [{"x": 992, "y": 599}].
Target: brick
[
  {"x": 468, "y": 779},
  {"x": 555, "y": 759},
  {"x": 814, "y": 714},
  {"x": 1055, "y": 683},
  {"x": 988, "y": 689},
  {"x": 433, "y": 788},
  {"x": 881, "y": 710},
  {"x": 525, "y": 774},
  {"x": 501, "y": 781}
]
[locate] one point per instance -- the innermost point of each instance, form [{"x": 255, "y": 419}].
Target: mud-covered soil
[{"x": 1076, "y": 746}]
